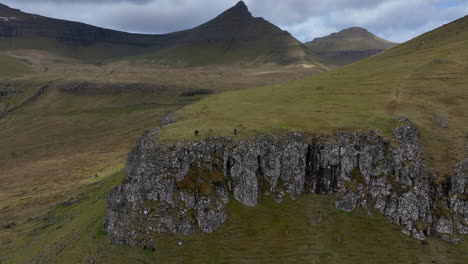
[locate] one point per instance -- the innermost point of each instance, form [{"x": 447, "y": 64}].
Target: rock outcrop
[{"x": 183, "y": 186}]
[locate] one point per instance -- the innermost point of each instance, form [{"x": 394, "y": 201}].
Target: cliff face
[{"x": 180, "y": 187}]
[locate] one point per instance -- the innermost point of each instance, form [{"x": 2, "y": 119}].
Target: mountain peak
[
  {"x": 240, "y": 10},
  {"x": 8, "y": 11},
  {"x": 348, "y": 45},
  {"x": 355, "y": 31},
  {"x": 241, "y": 5}
]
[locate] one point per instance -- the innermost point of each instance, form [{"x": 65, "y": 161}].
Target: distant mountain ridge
[
  {"x": 347, "y": 46},
  {"x": 234, "y": 36},
  {"x": 22, "y": 24}
]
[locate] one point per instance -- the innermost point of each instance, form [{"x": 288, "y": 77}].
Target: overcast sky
[{"x": 395, "y": 20}]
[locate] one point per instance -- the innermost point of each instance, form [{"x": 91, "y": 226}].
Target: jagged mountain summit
[
  {"x": 349, "y": 45},
  {"x": 235, "y": 36}
]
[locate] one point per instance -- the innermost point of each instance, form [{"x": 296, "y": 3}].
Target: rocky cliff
[{"x": 180, "y": 187}]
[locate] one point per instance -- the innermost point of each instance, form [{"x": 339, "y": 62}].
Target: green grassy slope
[
  {"x": 11, "y": 67},
  {"x": 49, "y": 150},
  {"x": 421, "y": 79},
  {"x": 93, "y": 53},
  {"x": 88, "y": 119}
]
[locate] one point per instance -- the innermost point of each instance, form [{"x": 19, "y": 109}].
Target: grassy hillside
[
  {"x": 422, "y": 79},
  {"x": 12, "y": 67},
  {"x": 85, "y": 120}
]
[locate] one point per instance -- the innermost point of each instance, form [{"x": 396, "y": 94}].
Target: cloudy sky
[{"x": 395, "y": 20}]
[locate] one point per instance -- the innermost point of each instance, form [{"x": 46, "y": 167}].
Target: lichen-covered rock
[
  {"x": 348, "y": 202},
  {"x": 444, "y": 226},
  {"x": 459, "y": 196},
  {"x": 179, "y": 187},
  {"x": 440, "y": 121},
  {"x": 210, "y": 214},
  {"x": 168, "y": 118}
]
